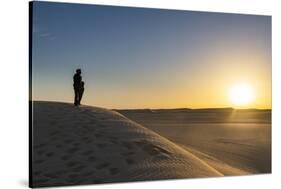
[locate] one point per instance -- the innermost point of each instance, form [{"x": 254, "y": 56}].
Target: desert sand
[
  {"x": 85, "y": 145},
  {"x": 234, "y": 142}
]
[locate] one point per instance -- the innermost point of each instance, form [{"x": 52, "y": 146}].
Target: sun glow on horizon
[{"x": 241, "y": 94}]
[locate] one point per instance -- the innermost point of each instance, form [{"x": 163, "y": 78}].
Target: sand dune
[
  {"x": 234, "y": 142},
  {"x": 86, "y": 145}
]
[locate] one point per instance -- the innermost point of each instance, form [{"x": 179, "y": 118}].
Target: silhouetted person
[
  {"x": 81, "y": 91},
  {"x": 77, "y": 78}
]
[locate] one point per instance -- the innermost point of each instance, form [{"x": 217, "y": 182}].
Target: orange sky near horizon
[
  {"x": 210, "y": 89},
  {"x": 207, "y": 89}
]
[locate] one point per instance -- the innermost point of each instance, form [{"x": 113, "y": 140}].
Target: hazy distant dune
[
  {"x": 235, "y": 142},
  {"x": 215, "y": 115}
]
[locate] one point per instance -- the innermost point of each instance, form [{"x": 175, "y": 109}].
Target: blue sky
[{"x": 139, "y": 58}]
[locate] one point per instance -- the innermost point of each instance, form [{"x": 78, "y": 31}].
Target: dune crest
[{"x": 85, "y": 145}]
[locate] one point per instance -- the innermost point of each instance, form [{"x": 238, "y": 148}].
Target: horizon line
[{"x": 176, "y": 108}]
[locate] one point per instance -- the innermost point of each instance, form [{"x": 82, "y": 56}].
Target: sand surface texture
[
  {"x": 86, "y": 145},
  {"x": 234, "y": 142}
]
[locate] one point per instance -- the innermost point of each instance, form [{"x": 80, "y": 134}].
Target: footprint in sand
[
  {"x": 79, "y": 168},
  {"x": 54, "y": 138},
  {"x": 152, "y": 149},
  {"x": 49, "y": 154},
  {"x": 114, "y": 171},
  {"x": 81, "y": 133},
  {"x": 92, "y": 158},
  {"x": 60, "y": 172},
  {"x": 87, "y": 140},
  {"x": 72, "y": 176},
  {"x": 53, "y": 122},
  {"x": 58, "y": 146},
  {"x": 50, "y": 175},
  {"x": 54, "y": 133},
  {"x": 99, "y": 135},
  {"x": 73, "y": 163},
  {"x": 87, "y": 153},
  {"x": 58, "y": 184},
  {"x": 65, "y": 157},
  {"x": 89, "y": 128},
  {"x": 129, "y": 153},
  {"x": 72, "y": 150},
  {"x": 85, "y": 111},
  {"x": 39, "y": 161},
  {"x": 113, "y": 137},
  {"x": 39, "y": 146},
  {"x": 127, "y": 145},
  {"x": 96, "y": 181},
  {"x": 113, "y": 141},
  {"x": 40, "y": 152},
  {"x": 102, "y": 165},
  {"x": 101, "y": 145},
  {"x": 68, "y": 141},
  {"x": 76, "y": 144},
  {"x": 41, "y": 181},
  {"x": 140, "y": 143},
  {"x": 37, "y": 173},
  {"x": 130, "y": 161},
  {"x": 88, "y": 173}
]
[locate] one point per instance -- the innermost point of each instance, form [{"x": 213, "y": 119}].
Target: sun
[{"x": 241, "y": 94}]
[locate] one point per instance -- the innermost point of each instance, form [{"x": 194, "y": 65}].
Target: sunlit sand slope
[
  {"x": 234, "y": 142},
  {"x": 85, "y": 145}
]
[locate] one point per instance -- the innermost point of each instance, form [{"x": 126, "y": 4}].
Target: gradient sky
[{"x": 149, "y": 58}]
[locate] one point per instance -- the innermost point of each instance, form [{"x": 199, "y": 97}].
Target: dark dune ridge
[{"x": 89, "y": 145}]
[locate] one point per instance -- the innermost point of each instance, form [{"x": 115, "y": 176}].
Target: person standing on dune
[
  {"x": 77, "y": 79},
  {"x": 81, "y": 91}
]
